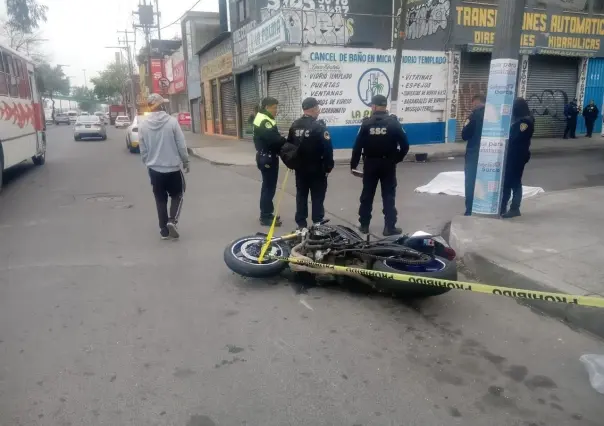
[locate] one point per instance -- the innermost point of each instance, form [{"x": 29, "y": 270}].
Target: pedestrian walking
[
  {"x": 383, "y": 144},
  {"x": 471, "y": 133},
  {"x": 268, "y": 143},
  {"x": 590, "y": 113},
  {"x": 571, "y": 111},
  {"x": 518, "y": 154},
  {"x": 164, "y": 151},
  {"x": 309, "y": 153}
]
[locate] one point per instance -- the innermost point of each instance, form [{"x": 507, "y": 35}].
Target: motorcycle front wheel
[{"x": 241, "y": 256}]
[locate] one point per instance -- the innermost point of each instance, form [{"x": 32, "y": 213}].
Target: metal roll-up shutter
[
  {"x": 248, "y": 96},
  {"x": 215, "y": 111},
  {"x": 227, "y": 106},
  {"x": 552, "y": 83},
  {"x": 284, "y": 85},
  {"x": 473, "y": 80}
]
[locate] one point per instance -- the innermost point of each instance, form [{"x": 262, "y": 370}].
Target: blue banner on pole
[{"x": 495, "y": 134}]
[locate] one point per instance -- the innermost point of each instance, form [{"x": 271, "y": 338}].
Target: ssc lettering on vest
[
  {"x": 302, "y": 132},
  {"x": 378, "y": 131}
]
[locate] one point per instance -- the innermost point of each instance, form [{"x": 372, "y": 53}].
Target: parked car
[
  {"x": 132, "y": 140},
  {"x": 73, "y": 116},
  {"x": 122, "y": 121},
  {"x": 61, "y": 118},
  {"x": 89, "y": 126}
]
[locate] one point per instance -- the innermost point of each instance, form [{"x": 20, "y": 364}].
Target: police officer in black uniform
[
  {"x": 571, "y": 111},
  {"x": 383, "y": 144},
  {"x": 314, "y": 161},
  {"x": 472, "y": 133},
  {"x": 268, "y": 143},
  {"x": 590, "y": 113}
]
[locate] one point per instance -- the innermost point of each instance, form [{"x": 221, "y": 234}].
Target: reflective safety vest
[{"x": 260, "y": 117}]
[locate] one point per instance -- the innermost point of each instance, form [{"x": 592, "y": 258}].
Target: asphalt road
[{"x": 102, "y": 323}]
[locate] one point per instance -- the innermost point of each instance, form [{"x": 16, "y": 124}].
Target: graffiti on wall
[
  {"x": 314, "y": 21},
  {"x": 289, "y": 105},
  {"x": 549, "y": 103},
  {"x": 427, "y": 18}
]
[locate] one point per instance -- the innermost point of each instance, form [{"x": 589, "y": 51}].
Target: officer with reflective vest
[
  {"x": 268, "y": 142},
  {"x": 383, "y": 144}
]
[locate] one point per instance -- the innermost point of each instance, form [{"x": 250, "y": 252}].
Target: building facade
[{"x": 175, "y": 67}]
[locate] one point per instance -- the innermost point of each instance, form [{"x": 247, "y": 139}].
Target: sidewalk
[
  {"x": 227, "y": 151},
  {"x": 556, "y": 245}
]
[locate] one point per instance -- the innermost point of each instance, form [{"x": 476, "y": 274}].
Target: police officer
[
  {"x": 471, "y": 133},
  {"x": 590, "y": 113},
  {"x": 268, "y": 142},
  {"x": 571, "y": 111},
  {"x": 314, "y": 161},
  {"x": 383, "y": 144}
]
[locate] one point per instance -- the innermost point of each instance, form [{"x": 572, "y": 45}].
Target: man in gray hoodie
[{"x": 164, "y": 151}]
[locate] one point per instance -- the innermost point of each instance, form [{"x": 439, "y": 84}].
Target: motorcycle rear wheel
[
  {"x": 241, "y": 257},
  {"x": 441, "y": 268}
]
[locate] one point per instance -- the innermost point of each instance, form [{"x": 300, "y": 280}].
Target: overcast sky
[{"x": 79, "y": 30}]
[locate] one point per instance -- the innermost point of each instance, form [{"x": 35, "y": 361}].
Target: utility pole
[
  {"x": 131, "y": 72},
  {"x": 146, "y": 22},
  {"x": 85, "y": 79},
  {"x": 498, "y": 109},
  {"x": 158, "y": 14},
  {"x": 401, "y": 26}
]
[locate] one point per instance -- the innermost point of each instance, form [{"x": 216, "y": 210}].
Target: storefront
[
  {"x": 552, "y": 83},
  {"x": 284, "y": 85},
  {"x": 473, "y": 80},
  {"x": 219, "y": 105},
  {"x": 248, "y": 102},
  {"x": 594, "y": 89}
]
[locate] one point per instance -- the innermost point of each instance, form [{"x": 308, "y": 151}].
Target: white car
[
  {"x": 122, "y": 121},
  {"x": 132, "y": 141}
]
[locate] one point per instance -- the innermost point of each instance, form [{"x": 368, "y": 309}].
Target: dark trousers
[
  {"x": 571, "y": 127},
  {"x": 170, "y": 184},
  {"x": 383, "y": 172},
  {"x": 515, "y": 191},
  {"x": 316, "y": 184},
  {"x": 589, "y": 124},
  {"x": 470, "y": 169},
  {"x": 269, "y": 167}
]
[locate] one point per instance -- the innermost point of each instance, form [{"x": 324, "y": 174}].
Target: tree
[
  {"x": 85, "y": 98},
  {"x": 25, "y": 15},
  {"x": 51, "y": 81},
  {"x": 19, "y": 40},
  {"x": 111, "y": 83}
]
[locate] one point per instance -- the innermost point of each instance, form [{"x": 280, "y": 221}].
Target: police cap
[
  {"x": 379, "y": 100},
  {"x": 309, "y": 103}
]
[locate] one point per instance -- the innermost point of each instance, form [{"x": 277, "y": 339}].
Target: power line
[{"x": 183, "y": 15}]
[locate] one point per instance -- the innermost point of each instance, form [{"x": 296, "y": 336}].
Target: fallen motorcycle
[{"x": 419, "y": 254}]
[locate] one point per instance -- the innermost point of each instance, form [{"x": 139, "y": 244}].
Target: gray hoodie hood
[{"x": 162, "y": 143}]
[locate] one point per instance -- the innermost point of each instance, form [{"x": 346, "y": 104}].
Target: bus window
[
  {"x": 3, "y": 77},
  {"x": 23, "y": 81},
  {"x": 13, "y": 87}
]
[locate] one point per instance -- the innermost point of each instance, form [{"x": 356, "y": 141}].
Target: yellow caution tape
[
  {"x": 271, "y": 231},
  {"x": 570, "y": 299}
]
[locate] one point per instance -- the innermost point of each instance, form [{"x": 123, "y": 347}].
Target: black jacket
[
  {"x": 315, "y": 153},
  {"x": 381, "y": 136},
  {"x": 590, "y": 112},
  {"x": 267, "y": 138},
  {"x": 518, "y": 152},
  {"x": 472, "y": 131},
  {"x": 571, "y": 111}
]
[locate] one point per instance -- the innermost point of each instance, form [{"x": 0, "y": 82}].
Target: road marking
[{"x": 306, "y": 305}]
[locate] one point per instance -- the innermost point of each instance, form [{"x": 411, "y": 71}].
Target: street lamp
[{"x": 85, "y": 80}]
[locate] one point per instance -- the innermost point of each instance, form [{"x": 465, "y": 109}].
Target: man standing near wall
[
  {"x": 571, "y": 111},
  {"x": 471, "y": 132},
  {"x": 268, "y": 143}
]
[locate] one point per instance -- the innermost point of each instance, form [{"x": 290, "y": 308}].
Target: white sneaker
[{"x": 173, "y": 230}]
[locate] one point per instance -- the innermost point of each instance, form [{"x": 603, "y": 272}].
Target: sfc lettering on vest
[
  {"x": 302, "y": 132},
  {"x": 378, "y": 131}
]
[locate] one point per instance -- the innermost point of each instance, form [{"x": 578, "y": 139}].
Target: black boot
[
  {"x": 511, "y": 213},
  {"x": 392, "y": 230},
  {"x": 269, "y": 221},
  {"x": 364, "y": 229}
]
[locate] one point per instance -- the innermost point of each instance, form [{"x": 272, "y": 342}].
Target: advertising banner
[
  {"x": 344, "y": 80},
  {"x": 179, "y": 78},
  {"x": 495, "y": 134},
  {"x": 156, "y": 74}
]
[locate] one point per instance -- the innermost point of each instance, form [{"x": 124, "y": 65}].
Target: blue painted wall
[
  {"x": 343, "y": 137},
  {"x": 594, "y": 89}
]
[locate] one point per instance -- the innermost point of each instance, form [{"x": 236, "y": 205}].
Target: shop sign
[
  {"x": 156, "y": 74},
  {"x": 240, "y": 54},
  {"x": 217, "y": 67},
  {"x": 267, "y": 36},
  {"x": 179, "y": 79},
  {"x": 543, "y": 32},
  {"x": 344, "y": 81},
  {"x": 184, "y": 119},
  {"x": 523, "y": 79}
]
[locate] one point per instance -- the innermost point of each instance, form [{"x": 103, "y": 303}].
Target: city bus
[{"x": 22, "y": 123}]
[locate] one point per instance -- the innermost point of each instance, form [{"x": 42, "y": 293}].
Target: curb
[{"x": 492, "y": 272}]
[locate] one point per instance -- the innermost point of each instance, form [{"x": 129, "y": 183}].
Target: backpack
[{"x": 290, "y": 155}]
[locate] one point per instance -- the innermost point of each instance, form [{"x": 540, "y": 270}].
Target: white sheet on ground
[{"x": 452, "y": 183}]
